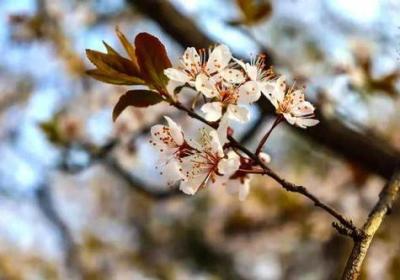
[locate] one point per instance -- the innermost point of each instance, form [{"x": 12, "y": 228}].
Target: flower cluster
[
  {"x": 199, "y": 163},
  {"x": 227, "y": 86}
]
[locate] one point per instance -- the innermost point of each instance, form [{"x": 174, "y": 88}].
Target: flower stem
[{"x": 265, "y": 138}]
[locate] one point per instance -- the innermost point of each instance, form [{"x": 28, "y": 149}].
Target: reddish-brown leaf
[
  {"x": 115, "y": 62},
  {"x": 112, "y": 77},
  {"x": 152, "y": 59},
  {"x": 136, "y": 98},
  {"x": 109, "y": 49},
  {"x": 129, "y": 48}
]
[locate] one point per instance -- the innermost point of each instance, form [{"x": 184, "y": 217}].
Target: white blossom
[
  {"x": 209, "y": 165},
  {"x": 290, "y": 103},
  {"x": 170, "y": 142},
  {"x": 194, "y": 65},
  {"x": 226, "y": 99},
  {"x": 239, "y": 184},
  {"x": 258, "y": 78}
]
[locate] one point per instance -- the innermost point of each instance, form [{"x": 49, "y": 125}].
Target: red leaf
[
  {"x": 137, "y": 98},
  {"x": 152, "y": 59}
]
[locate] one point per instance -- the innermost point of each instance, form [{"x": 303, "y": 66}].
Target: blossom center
[{"x": 227, "y": 95}]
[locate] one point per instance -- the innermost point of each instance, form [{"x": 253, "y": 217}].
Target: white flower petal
[
  {"x": 157, "y": 132},
  {"x": 297, "y": 97},
  {"x": 167, "y": 137},
  {"x": 240, "y": 114},
  {"x": 175, "y": 131},
  {"x": 303, "y": 109},
  {"x": 215, "y": 144},
  {"x": 191, "y": 59},
  {"x": 206, "y": 86},
  {"x": 278, "y": 93},
  {"x": 268, "y": 88},
  {"x": 251, "y": 71},
  {"x": 193, "y": 143},
  {"x": 233, "y": 76},
  {"x": 241, "y": 63},
  {"x": 172, "y": 172},
  {"x": 190, "y": 187},
  {"x": 290, "y": 119},
  {"x": 176, "y": 75},
  {"x": 223, "y": 129},
  {"x": 305, "y": 122},
  {"x": 212, "y": 111},
  {"x": 218, "y": 181},
  {"x": 249, "y": 92},
  {"x": 228, "y": 166},
  {"x": 219, "y": 59}
]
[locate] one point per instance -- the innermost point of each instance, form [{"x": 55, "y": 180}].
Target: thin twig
[
  {"x": 193, "y": 114},
  {"x": 265, "y": 138},
  {"x": 353, "y": 231},
  {"x": 252, "y": 130}
]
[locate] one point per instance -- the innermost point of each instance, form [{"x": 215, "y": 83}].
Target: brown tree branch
[
  {"x": 351, "y": 229},
  {"x": 370, "y": 152},
  {"x": 386, "y": 199}
]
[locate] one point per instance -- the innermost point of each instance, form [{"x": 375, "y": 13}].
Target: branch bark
[
  {"x": 345, "y": 226},
  {"x": 371, "y": 226},
  {"x": 368, "y": 151}
]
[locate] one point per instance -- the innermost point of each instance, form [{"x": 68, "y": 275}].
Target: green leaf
[
  {"x": 112, "y": 77},
  {"x": 136, "y": 98},
  {"x": 152, "y": 59}
]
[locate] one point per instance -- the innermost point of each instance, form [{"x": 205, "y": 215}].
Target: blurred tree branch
[
  {"x": 103, "y": 155},
  {"x": 46, "y": 204},
  {"x": 371, "y": 152},
  {"x": 21, "y": 93},
  {"x": 375, "y": 218},
  {"x": 137, "y": 184}
]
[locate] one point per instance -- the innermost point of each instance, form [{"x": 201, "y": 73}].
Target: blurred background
[{"x": 80, "y": 197}]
